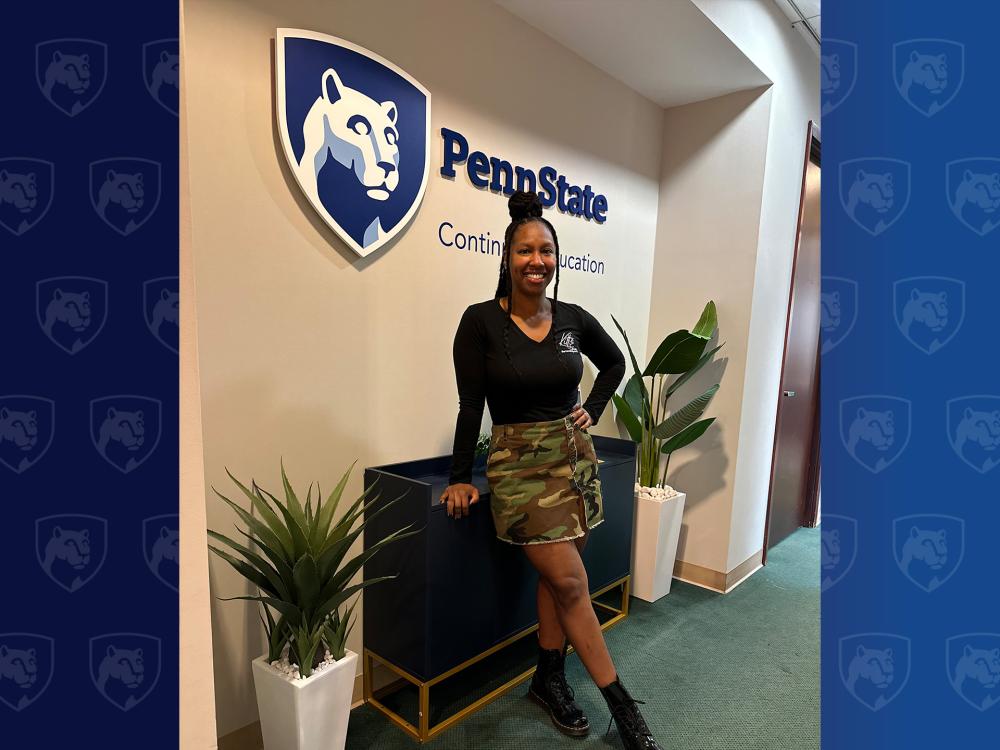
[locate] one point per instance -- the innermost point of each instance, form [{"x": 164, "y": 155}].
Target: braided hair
[{"x": 525, "y": 207}]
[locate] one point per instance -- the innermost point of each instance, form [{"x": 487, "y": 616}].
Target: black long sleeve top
[{"x": 544, "y": 390}]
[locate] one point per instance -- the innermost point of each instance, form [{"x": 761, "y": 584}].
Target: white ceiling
[{"x": 667, "y": 50}]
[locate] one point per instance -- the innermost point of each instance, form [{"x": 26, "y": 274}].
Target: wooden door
[{"x": 792, "y": 498}]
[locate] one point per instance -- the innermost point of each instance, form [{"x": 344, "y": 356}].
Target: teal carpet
[{"x": 733, "y": 672}]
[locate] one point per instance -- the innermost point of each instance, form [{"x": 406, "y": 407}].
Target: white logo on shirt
[{"x": 567, "y": 343}]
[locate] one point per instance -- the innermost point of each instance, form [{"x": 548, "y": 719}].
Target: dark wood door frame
[{"x": 812, "y": 153}]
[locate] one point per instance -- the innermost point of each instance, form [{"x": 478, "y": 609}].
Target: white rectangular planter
[
  {"x": 654, "y": 545},
  {"x": 310, "y": 714}
]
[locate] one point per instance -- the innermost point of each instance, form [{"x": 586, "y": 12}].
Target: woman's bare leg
[
  {"x": 550, "y": 632},
  {"x": 560, "y": 566}
]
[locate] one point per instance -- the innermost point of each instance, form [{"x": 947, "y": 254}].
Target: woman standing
[{"x": 521, "y": 353}]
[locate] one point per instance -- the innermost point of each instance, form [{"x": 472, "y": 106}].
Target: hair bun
[{"x": 524, "y": 205}]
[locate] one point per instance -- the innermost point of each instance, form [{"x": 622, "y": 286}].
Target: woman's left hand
[{"x": 581, "y": 418}]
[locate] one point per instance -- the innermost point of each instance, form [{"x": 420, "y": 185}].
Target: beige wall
[
  {"x": 314, "y": 355},
  {"x": 197, "y": 694},
  {"x": 764, "y": 35},
  {"x": 706, "y": 248}
]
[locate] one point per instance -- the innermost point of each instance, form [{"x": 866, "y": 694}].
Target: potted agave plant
[
  {"x": 644, "y": 412},
  {"x": 305, "y": 682}
]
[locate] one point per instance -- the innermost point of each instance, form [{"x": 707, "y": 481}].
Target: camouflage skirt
[{"x": 543, "y": 481}]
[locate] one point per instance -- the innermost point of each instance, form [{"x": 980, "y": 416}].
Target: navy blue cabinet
[{"x": 459, "y": 589}]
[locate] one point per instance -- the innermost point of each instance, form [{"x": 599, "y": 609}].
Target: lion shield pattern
[
  {"x": 928, "y": 310},
  {"x": 874, "y": 192},
  {"x": 125, "y": 429},
  {"x": 71, "y": 72},
  {"x": 161, "y": 548},
  {"x": 125, "y": 192},
  {"x": 974, "y": 430},
  {"x": 928, "y": 72},
  {"x": 71, "y": 310},
  {"x": 973, "y": 190},
  {"x": 874, "y": 667},
  {"x": 161, "y": 72},
  {"x": 972, "y": 661},
  {"x": 928, "y": 549},
  {"x": 71, "y": 549},
  {"x": 875, "y": 429},
  {"x": 27, "y": 425},
  {"x": 27, "y": 661},
  {"x": 355, "y": 130},
  {"x": 125, "y": 667},
  {"x": 26, "y": 190}
]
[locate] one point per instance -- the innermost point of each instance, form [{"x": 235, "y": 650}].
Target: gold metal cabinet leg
[{"x": 424, "y": 731}]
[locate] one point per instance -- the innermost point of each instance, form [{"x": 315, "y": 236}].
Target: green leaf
[
  {"x": 309, "y": 510},
  {"x": 325, "y": 515},
  {"x": 628, "y": 417},
  {"x": 283, "y": 568},
  {"x": 267, "y": 515},
  {"x": 260, "y": 529},
  {"x": 636, "y": 396},
  {"x": 635, "y": 364},
  {"x": 294, "y": 506},
  {"x": 307, "y": 584},
  {"x": 288, "y": 609},
  {"x": 686, "y": 436},
  {"x": 707, "y": 323},
  {"x": 299, "y": 543},
  {"x": 259, "y": 563},
  {"x": 678, "y": 353},
  {"x": 342, "y": 596},
  {"x": 687, "y": 375},
  {"x": 350, "y": 569},
  {"x": 247, "y": 571},
  {"x": 684, "y": 416}
]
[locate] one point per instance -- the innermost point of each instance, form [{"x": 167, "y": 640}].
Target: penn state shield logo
[
  {"x": 838, "y": 72},
  {"x": 973, "y": 191},
  {"x": 874, "y": 667},
  {"x": 972, "y": 661},
  {"x": 928, "y": 548},
  {"x": 27, "y": 424},
  {"x": 125, "y": 430},
  {"x": 161, "y": 72},
  {"x": 356, "y": 133},
  {"x": 125, "y": 667},
  {"x": 928, "y": 72},
  {"x": 71, "y": 548},
  {"x": 71, "y": 310},
  {"x": 125, "y": 192},
  {"x": 27, "y": 661},
  {"x": 929, "y": 310},
  {"x": 874, "y": 192},
  {"x": 71, "y": 72},
  {"x": 839, "y": 542},
  {"x": 974, "y": 430},
  {"x": 838, "y": 310},
  {"x": 160, "y": 548},
  {"x": 26, "y": 190},
  {"x": 875, "y": 429},
  {"x": 161, "y": 309}
]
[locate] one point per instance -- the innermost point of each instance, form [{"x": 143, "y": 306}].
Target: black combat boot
[
  {"x": 550, "y": 690},
  {"x": 625, "y": 713}
]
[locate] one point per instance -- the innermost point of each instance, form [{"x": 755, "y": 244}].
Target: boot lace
[
  {"x": 559, "y": 688},
  {"x": 629, "y": 718}
]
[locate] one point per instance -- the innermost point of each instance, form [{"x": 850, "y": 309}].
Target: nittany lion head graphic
[
  {"x": 26, "y": 661},
  {"x": 71, "y": 548},
  {"x": 71, "y": 72},
  {"x": 928, "y": 72},
  {"x": 838, "y": 71},
  {"x": 125, "y": 667},
  {"x": 874, "y": 667},
  {"x": 25, "y": 193},
  {"x": 973, "y": 188},
  {"x": 355, "y": 130},
  {"x": 928, "y": 548},
  {"x": 874, "y": 191}
]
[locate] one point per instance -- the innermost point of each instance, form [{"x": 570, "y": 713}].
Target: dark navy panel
[{"x": 89, "y": 383}]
